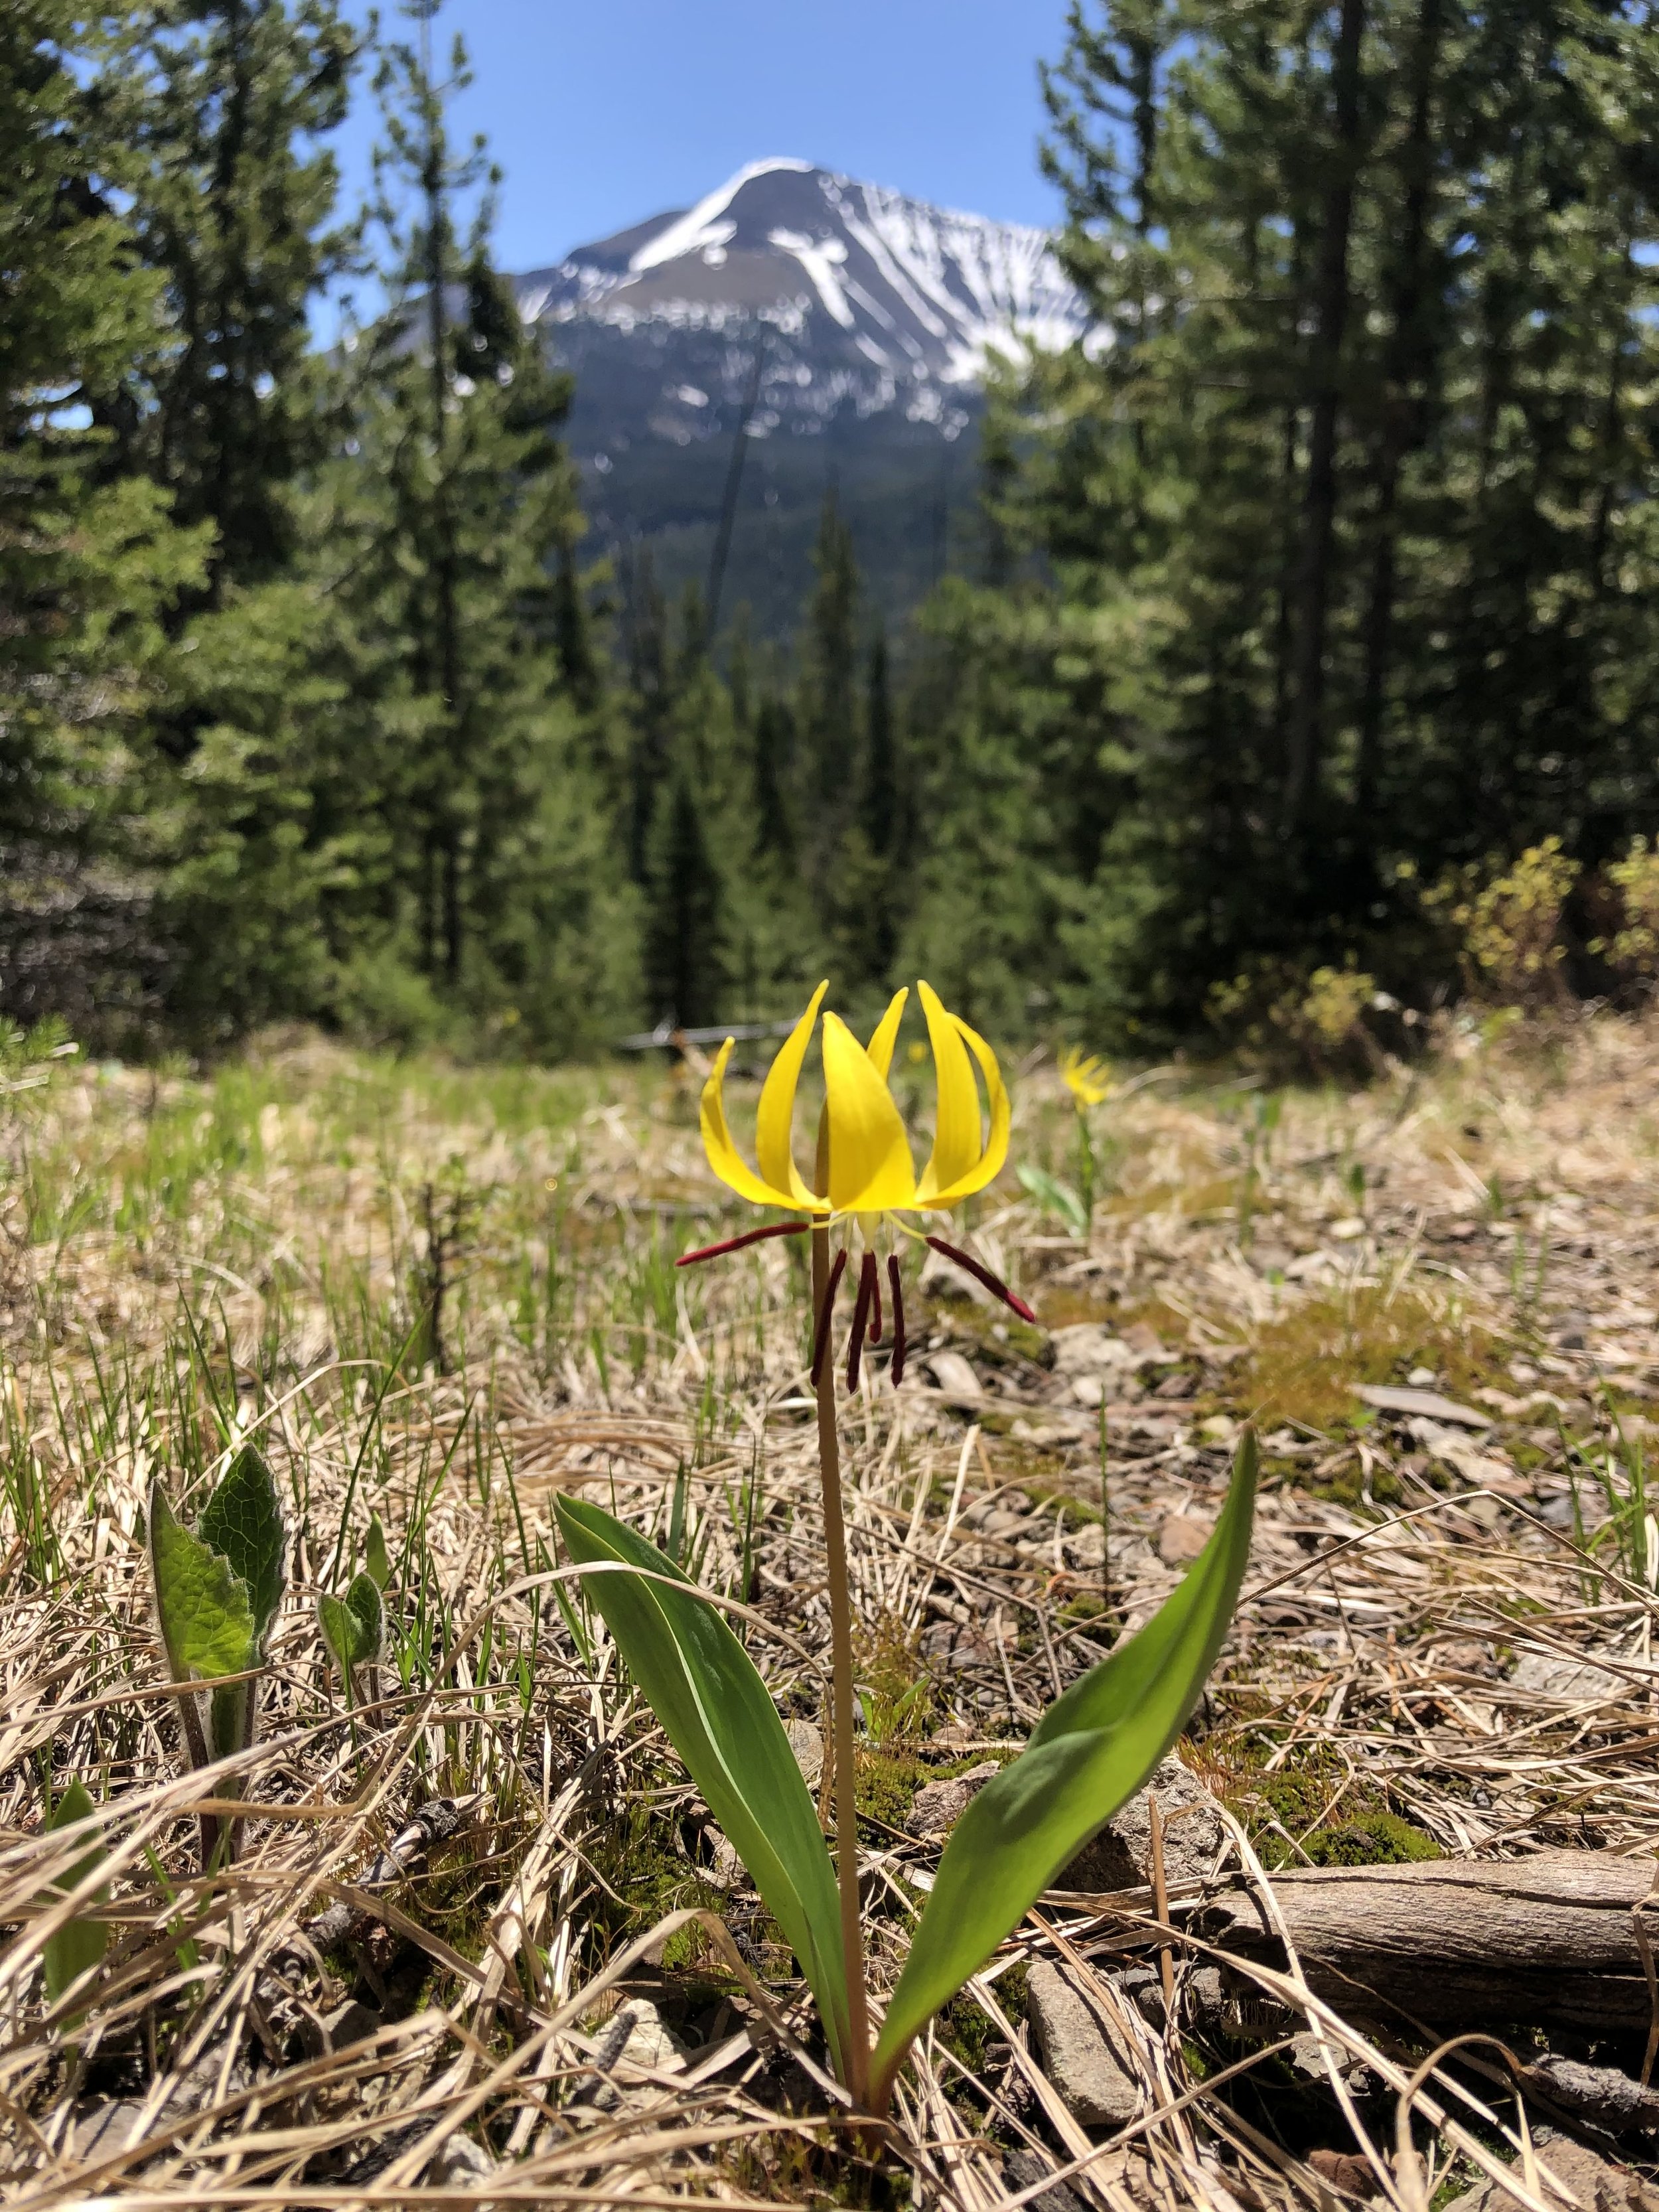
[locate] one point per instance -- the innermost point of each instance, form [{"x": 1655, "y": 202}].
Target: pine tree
[
  {"x": 221, "y": 105},
  {"x": 89, "y": 566},
  {"x": 828, "y": 708}
]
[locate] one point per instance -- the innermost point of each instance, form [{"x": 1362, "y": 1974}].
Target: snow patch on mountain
[{"x": 855, "y": 295}]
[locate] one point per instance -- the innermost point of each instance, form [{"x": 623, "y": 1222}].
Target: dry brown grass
[{"x": 181, "y": 1264}]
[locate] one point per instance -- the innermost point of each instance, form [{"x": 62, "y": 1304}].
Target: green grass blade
[
  {"x": 82, "y": 1943},
  {"x": 243, "y": 1522},
  {"x": 1090, "y": 1753},
  {"x": 702, "y": 1687}
]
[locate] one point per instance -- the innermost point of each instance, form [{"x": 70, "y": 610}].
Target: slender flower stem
[{"x": 841, "y": 1652}]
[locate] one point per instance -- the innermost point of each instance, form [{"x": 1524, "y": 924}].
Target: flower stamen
[
  {"x": 995, "y": 1283},
  {"x": 826, "y": 1312},
  {"x": 875, "y": 1303},
  {"x": 861, "y": 1318},
  {"x": 898, "y": 1368},
  {"x": 737, "y": 1243}
]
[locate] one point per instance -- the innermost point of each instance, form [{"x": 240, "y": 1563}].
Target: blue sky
[{"x": 602, "y": 113}]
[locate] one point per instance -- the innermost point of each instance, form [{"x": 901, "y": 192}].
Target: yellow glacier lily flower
[
  {"x": 872, "y": 1172},
  {"x": 1086, "y": 1076}
]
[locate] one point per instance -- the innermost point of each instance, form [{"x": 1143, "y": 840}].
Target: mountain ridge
[{"x": 845, "y": 327}]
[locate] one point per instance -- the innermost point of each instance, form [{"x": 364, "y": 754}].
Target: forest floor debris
[{"x": 1438, "y": 1297}]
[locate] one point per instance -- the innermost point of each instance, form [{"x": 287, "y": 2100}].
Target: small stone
[
  {"x": 1088, "y": 1389},
  {"x": 102, "y": 2130},
  {"x": 806, "y": 1741},
  {"x": 1085, "y": 1547},
  {"x": 1182, "y": 1538},
  {"x": 1577, "y": 1681},
  {"x": 1422, "y": 1378},
  {"x": 1194, "y": 1834},
  {"x": 1088, "y": 2076},
  {"x": 1596, "y": 2182},
  {"x": 457, "y": 2163},
  {"x": 350, "y": 2022},
  {"x": 940, "y": 1805},
  {"x": 1346, "y": 2170},
  {"x": 1022, "y": 2170},
  {"x": 1086, "y": 1348},
  {"x": 636, "y": 2039},
  {"x": 955, "y": 1377}
]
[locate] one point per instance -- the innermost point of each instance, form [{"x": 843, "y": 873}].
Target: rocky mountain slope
[{"x": 842, "y": 328}]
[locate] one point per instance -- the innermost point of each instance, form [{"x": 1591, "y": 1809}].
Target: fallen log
[{"x": 1549, "y": 1940}]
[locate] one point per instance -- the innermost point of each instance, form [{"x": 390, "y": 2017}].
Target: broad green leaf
[
  {"x": 205, "y": 1615},
  {"x": 702, "y": 1687},
  {"x": 243, "y": 1522},
  {"x": 82, "y": 1943},
  {"x": 375, "y": 1560},
  {"x": 352, "y": 1625},
  {"x": 1090, "y": 1753},
  {"x": 1059, "y": 1198}
]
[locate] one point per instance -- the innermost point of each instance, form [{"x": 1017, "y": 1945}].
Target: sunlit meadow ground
[{"x": 438, "y": 1292}]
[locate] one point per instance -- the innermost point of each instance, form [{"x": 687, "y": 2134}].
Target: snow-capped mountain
[
  {"x": 845, "y": 327},
  {"x": 860, "y": 295}
]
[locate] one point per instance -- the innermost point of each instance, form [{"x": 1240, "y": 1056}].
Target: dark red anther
[
  {"x": 737, "y": 1243},
  {"x": 861, "y": 1318},
  {"x": 875, "y": 1309},
  {"x": 826, "y": 1311},
  {"x": 995, "y": 1283},
  {"x": 897, "y": 1368}
]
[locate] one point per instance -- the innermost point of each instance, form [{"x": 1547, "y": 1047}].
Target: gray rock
[
  {"x": 1091, "y": 2076},
  {"x": 1121, "y": 1856},
  {"x": 350, "y": 2022},
  {"x": 806, "y": 1741},
  {"x": 1596, "y": 2182},
  {"x": 1086, "y": 1348},
  {"x": 102, "y": 2130},
  {"x": 1021, "y": 2169},
  {"x": 940, "y": 1805},
  {"x": 1578, "y": 1681},
  {"x": 458, "y": 2163},
  {"x": 955, "y": 1377},
  {"x": 636, "y": 2039}
]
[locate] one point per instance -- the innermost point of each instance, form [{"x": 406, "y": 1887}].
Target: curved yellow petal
[
  {"x": 990, "y": 1162},
  {"x": 957, "y": 1142},
  {"x": 871, "y": 1170},
  {"x": 879, "y": 1049},
  {"x": 773, "y": 1152},
  {"x": 728, "y": 1163}
]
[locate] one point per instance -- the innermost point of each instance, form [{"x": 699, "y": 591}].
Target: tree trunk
[
  {"x": 1311, "y": 592},
  {"x": 1408, "y": 363}
]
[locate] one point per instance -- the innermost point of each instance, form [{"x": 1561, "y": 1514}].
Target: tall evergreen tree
[
  {"x": 222, "y": 105},
  {"x": 88, "y": 566}
]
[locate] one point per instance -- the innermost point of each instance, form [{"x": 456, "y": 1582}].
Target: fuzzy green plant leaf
[
  {"x": 352, "y": 1625},
  {"x": 375, "y": 1558},
  {"x": 243, "y": 1522},
  {"x": 80, "y": 1943},
  {"x": 1090, "y": 1753},
  {"x": 703, "y": 1687},
  {"x": 202, "y": 1604}
]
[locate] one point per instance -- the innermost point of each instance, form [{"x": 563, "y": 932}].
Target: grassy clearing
[{"x": 437, "y": 1294}]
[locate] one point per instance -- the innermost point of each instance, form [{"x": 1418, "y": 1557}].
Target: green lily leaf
[
  {"x": 243, "y": 1522},
  {"x": 702, "y": 1687},
  {"x": 1058, "y": 1197},
  {"x": 203, "y": 1605},
  {"x": 375, "y": 1558},
  {"x": 82, "y": 1943},
  {"x": 352, "y": 1625},
  {"x": 1090, "y": 1753}
]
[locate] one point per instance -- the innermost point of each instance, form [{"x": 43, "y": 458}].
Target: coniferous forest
[{"x": 1313, "y": 594}]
